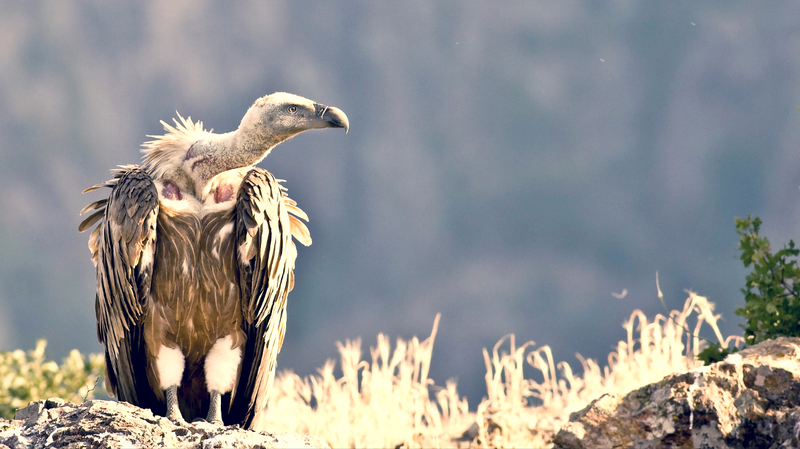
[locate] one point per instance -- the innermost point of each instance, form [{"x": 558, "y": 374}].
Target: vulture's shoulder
[{"x": 262, "y": 198}]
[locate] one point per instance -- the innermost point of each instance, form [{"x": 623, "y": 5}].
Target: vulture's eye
[{"x": 292, "y": 109}]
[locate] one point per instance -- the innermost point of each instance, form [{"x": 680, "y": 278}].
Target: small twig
[{"x": 86, "y": 396}]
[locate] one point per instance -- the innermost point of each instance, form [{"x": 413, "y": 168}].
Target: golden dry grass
[{"x": 384, "y": 401}]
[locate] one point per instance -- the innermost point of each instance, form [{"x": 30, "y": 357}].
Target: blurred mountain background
[{"x": 509, "y": 164}]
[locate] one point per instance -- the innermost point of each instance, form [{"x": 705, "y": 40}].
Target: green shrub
[
  {"x": 771, "y": 292},
  {"x": 29, "y": 377}
]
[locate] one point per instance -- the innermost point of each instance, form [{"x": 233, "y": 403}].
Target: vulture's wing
[
  {"x": 265, "y": 221},
  {"x": 123, "y": 245}
]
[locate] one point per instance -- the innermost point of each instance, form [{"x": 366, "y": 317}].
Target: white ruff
[
  {"x": 167, "y": 151},
  {"x": 170, "y": 363},
  {"x": 222, "y": 365}
]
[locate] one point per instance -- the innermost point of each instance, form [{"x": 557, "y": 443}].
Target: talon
[{"x": 177, "y": 420}]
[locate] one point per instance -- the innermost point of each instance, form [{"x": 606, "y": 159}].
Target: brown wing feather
[
  {"x": 266, "y": 255},
  {"x": 124, "y": 272}
]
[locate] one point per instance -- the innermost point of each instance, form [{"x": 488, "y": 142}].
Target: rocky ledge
[
  {"x": 750, "y": 400},
  {"x": 107, "y": 424}
]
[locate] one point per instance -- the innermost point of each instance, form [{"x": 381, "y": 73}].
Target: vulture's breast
[{"x": 195, "y": 293}]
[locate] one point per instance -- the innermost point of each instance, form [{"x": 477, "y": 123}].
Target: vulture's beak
[{"x": 332, "y": 117}]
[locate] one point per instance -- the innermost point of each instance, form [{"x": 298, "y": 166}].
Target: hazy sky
[{"x": 509, "y": 164}]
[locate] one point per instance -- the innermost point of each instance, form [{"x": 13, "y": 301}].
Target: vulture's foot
[
  {"x": 173, "y": 411},
  {"x": 215, "y": 409}
]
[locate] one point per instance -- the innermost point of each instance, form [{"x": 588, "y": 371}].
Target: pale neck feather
[{"x": 191, "y": 156}]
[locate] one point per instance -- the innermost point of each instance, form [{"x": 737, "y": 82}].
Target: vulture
[{"x": 194, "y": 254}]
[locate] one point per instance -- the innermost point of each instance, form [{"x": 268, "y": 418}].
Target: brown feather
[{"x": 91, "y": 220}]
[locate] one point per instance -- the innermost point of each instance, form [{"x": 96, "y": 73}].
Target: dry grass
[
  {"x": 385, "y": 401},
  {"x": 379, "y": 403}
]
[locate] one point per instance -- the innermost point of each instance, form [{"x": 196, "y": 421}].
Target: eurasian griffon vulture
[{"x": 195, "y": 259}]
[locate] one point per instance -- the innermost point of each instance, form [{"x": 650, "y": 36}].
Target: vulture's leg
[
  {"x": 173, "y": 411},
  {"x": 222, "y": 369},
  {"x": 215, "y": 409},
  {"x": 170, "y": 364}
]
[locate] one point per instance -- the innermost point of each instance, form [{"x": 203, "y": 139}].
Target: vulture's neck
[
  {"x": 207, "y": 158},
  {"x": 191, "y": 157}
]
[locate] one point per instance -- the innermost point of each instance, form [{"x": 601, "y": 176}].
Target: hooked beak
[{"x": 332, "y": 117}]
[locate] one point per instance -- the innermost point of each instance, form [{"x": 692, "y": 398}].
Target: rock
[
  {"x": 750, "y": 400},
  {"x": 53, "y": 403},
  {"x": 30, "y": 413},
  {"x": 55, "y": 423}
]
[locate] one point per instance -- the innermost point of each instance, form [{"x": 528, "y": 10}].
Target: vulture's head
[{"x": 282, "y": 116}]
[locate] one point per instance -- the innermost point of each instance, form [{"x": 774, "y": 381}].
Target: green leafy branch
[
  {"x": 771, "y": 294},
  {"x": 771, "y": 291}
]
